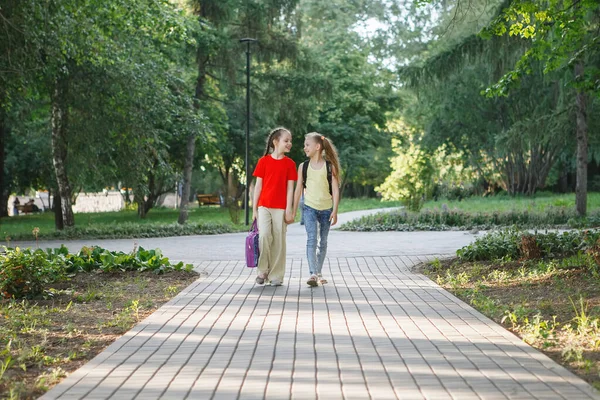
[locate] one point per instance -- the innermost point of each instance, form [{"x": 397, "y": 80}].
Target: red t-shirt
[{"x": 275, "y": 175}]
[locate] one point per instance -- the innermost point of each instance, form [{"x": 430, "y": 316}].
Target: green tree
[{"x": 563, "y": 35}]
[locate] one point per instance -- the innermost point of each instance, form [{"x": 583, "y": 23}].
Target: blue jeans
[{"x": 317, "y": 226}]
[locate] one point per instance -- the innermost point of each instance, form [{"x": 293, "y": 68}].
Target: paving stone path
[{"x": 375, "y": 331}]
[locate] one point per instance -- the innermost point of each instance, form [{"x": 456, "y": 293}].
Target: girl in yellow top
[{"x": 318, "y": 178}]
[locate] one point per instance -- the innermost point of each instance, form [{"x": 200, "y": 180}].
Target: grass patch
[
  {"x": 122, "y": 224},
  {"x": 540, "y": 202},
  {"x": 553, "y": 305},
  {"x": 358, "y": 204},
  {"x": 43, "y": 339}
]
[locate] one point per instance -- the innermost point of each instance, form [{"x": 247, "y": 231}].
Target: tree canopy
[{"x": 146, "y": 94}]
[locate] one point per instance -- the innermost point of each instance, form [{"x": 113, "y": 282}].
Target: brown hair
[
  {"x": 275, "y": 134},
  {"x": 330, "y": 153}
]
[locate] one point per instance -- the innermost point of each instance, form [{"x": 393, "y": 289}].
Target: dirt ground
[
  {"x": 55, "y": 335},
  {"x": 557, "y": 310}
]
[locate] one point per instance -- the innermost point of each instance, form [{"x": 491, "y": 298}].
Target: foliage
[
  {"x": 26, "y": 273},
  {"x": 353, "y": 110},
  {"x": 125, "y": 98},
  {"x": 508, "y": 244},
  {"x": 419, "y": 174},
  {"x": 561, "y": 33},
  {"x": 131, "y": 229},
  {"x": 511, "y": 142},
  {"x": 445, "y": 219},
  {"x": 96, "y": 258},
  {"x": 411, "y": 178}
]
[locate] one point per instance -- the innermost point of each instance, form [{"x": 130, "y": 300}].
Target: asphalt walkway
[{"x": 375, "y": 331}]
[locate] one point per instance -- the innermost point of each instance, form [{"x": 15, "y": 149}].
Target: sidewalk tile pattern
[{"x": 375, "y": 331}]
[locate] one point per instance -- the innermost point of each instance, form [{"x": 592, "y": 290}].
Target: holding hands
[{"x": 290, "y": 217}]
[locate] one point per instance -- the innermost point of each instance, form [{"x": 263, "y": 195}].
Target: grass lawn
[
  {"x": 23, "y": 225},
  {"x": 540, "y": 202},
  {"x": 553, "y": 304}
]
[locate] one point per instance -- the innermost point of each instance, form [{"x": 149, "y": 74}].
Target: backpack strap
[
  {"x": 329, "y": 174},
  {"x": 305, "y": 173}
]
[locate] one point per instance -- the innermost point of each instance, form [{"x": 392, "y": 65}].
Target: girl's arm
[
  {"x": 256, "y": 197},
  {"x": 298, "y": 192},
  {"x": 289, "y": 218},
  {"x": 335, "y": 193}
]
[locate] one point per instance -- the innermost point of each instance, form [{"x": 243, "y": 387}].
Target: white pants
[{"x": 272, "y": 229}]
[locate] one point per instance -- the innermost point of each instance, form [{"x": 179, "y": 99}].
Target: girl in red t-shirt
[{"x": 273, "y": 204}]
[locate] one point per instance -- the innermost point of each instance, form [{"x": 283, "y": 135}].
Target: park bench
[
  {"x": 208, "y": 199},
  {"x": 28, "y": 208}
]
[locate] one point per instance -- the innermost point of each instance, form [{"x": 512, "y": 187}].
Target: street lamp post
[{"x": 248, "y": 41}]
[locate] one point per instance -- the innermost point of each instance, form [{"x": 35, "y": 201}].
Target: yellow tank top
[{"x": 317, "y": 194}]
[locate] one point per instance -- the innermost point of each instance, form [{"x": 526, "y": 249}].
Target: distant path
[{"x": 194, "y": 249}]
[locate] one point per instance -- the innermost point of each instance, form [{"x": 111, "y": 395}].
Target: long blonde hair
[{"x": 330, "y": 153}]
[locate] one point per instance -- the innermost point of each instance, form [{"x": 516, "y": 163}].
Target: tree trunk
[
  {"x": 187, "y": 179},
  {"x": 4, "y": 193},
  {"x": 59, "y": 150},
  {"x": 58, "y": 217},
  {"x": 145, "y": 203},
  {"x": 138, "y": 198},
  {"x": 582, "y": 146},
  {"x": 232, "y": 198},
  {"x": 202, "y": 60}
]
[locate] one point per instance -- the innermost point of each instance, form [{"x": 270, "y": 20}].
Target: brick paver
[{"x": 375, "y": 331}]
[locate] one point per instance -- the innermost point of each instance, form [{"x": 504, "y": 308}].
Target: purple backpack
[{"x": 252, "y": 250}]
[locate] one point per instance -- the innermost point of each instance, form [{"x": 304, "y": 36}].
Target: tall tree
[
  {"x": 563, "y": 34},
  {"x": 218, "y": 57}
]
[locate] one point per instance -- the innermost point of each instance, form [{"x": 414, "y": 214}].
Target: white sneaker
[
  {"x": 275, "y": 282},
  {"x": 260, "y": 279},
  {"x": 312, "y": 281},
  {"x": 322, "y": 280}
]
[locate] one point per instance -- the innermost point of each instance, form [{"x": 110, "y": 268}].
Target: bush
[
  {"x": 96, "y": 258},
  {"x": 493, "y": 246},
  {"x": 462, "y": 220},
  {"x": 25, "y": 273},
  {"x": 514, "y": 244}
]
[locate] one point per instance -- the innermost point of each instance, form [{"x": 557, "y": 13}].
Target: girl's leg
[
  {"x": 278, "y": 248},
  {"x": 265, "y": 241},
  {"x": 324, "y": 225},
  {"x": 310, "y": 224}
]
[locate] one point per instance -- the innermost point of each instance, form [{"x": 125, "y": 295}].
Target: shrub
[
  {"x": 493, "y": 246},
  {"x": 513, "y": 243},
  {"x": 96, "y": 258},
  {"x": 456, "y": 219},
  {"x": 24, "y": 273}
]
